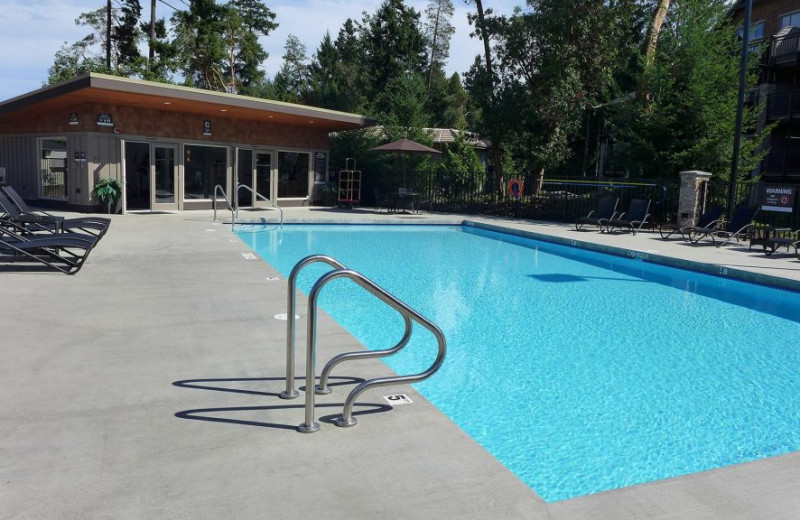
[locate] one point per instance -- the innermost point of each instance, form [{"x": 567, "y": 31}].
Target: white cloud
[{"x": 31, "y": 32}]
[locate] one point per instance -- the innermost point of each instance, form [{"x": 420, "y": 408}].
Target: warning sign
[{"x": 779, "y": 198}]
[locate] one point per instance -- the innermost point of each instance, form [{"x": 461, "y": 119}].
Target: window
[
  {"x": 204, "y": 167},
  {"x": 293, "y": 174},
  {"x": 756, "y": 31},
  {"x": 792, "y": 19},
  {"x": 53, "y": 167}
]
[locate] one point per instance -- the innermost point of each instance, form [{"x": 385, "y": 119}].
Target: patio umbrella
[{"x": 405, "y": 146}]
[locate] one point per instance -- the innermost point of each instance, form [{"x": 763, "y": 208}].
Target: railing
[
  {"x": 257, "y": 195},
  {"x": 219, "y": 189},
  {"x": 405, "y": 311},
  {"x": 561, "y": 199},
  {"x": 783, "y": 105},
  {"x": 782, "y": 162},
  {"x": 290, "y": 392},
  {"x": 54, "y": 178},
  {"x": 785, "y": 49}
]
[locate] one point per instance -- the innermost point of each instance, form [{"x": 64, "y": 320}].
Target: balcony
[
  {"x": 783, "y": 105},
  {"x": 785, "y": 49},
  {"x": 782, "y": 163}
]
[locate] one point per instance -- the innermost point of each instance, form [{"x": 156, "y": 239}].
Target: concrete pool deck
[{"x": 145, "y": 387}]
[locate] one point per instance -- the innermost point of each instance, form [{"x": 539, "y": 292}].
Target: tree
[
  {"x": 554, "y": 63},
  {"x": 88, "y": 55},
  {"x": 126, "y": 34},
  {"x": 74, "y": 60},
  {"x": 291, "y": 81},
  {"x": 460, "y": 170},
  {"x": 456, "y": 104},
  {"x": 438, "y": 30},
  {"x": 250, "y": 19},
  {"x": 199, "y": 45},
  {"x": 392, "y": 45},
  {"x": 483, "y": 85},
  {"x": 689, "y": 120}
]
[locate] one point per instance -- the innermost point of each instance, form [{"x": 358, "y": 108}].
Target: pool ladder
[
  {"x": 409, "y": 315},
  {"x": 234, "y": 207}
]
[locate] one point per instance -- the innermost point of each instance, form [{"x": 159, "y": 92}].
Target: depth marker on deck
[
  {"x": 397, "y": 399},
  {"x": 282, "y": 316},
  {"x": 249, "y": 256}
]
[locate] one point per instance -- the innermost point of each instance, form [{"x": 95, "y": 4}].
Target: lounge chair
[
  {"x": 39, "y": 221},
  {"x": 65, "y": 252},
  {"x": 606, "y": 209},
  {"x": 706, "y": 220},
  {"x": 637, "y": 216},
  {"x": 742, "y": 219},
  {"x": 789, "y": 239}
]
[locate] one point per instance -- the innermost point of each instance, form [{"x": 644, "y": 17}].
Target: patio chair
[
  {"x": 65, "y": 252},
  {"x": 606, "y": 209},
  {"x": 706, "y": 220},
  {"x": 383, "y": 202},
  {"x": 40, "y": 221},
  {"x": 637, "y": 216},
  {"x": 742, "y": 219},
  {"x": 779, "y": 238}
]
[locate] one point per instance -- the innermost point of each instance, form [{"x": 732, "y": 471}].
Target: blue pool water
[{"x": 580, "y": 372}]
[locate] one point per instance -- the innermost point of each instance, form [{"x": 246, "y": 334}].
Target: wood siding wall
[
  {"x": 174, "y": 125},
  {"x": 18, "y": 155}
]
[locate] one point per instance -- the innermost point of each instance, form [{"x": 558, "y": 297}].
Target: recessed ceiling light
[
  {"x": 270, "y": 117},
  {"x": 167, "y": 103},
  {"x": 312, "y": 122},
  {"x": 223, "y": 109}
]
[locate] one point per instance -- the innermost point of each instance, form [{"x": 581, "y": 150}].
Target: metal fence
[
  {"x": 754, "y": 194},
  {"x": 561, "y": 199},
  {"x": 54, "y": 178}
]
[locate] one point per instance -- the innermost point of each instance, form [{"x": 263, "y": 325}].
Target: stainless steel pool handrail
[
  {"x": 322, "y": 388},
  {"x": 290, "y": 392},
  {"x": 409, "y": 315},
  {"x": 257, "y": 195},
  {"x": 219, "y": 188}
]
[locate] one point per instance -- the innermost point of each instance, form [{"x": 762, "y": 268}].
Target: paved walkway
[{"x": 145, "y": 387}]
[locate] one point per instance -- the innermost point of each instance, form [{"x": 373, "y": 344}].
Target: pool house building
[{"x": 169, "y": 146}]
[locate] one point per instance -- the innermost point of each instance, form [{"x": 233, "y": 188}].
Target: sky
[{"x": 31, "y": 31}]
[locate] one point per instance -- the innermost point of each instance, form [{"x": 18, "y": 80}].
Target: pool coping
[{"x": 723, "y": 271}]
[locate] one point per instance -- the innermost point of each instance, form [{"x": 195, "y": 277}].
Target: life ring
[{"x": 516, "y": 187}]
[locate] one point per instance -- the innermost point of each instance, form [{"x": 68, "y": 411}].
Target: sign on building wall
[
  {"x": 320, "y": 162},
  {"x": 779, "y": 198},
  {"x": 207, "y": 127},
  {"x": 104, "y": 120},
  {"x": 73, "y": 118}
]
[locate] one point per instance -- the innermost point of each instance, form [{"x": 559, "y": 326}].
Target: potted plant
[
  {"x": 330, "y": 193},
  {"x": 107, "y": 192}
]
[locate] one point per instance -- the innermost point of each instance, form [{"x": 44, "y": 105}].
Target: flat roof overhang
[{"x": 100, "y": 88}]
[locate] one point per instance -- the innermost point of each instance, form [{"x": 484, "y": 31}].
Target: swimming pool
[{"x": 581, "y": 372}]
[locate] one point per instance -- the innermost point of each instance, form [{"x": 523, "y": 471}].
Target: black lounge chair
[
  {"x": 742, "y": 219},
  {"x": 790, "y": 239},
  {"x": 39, "y": 221},
  {"x": 637, "y": 216},
  {"x": 65, "y": 252},
  {"x": 606, "y": 209},
  {"x": 706, "y": 220}
]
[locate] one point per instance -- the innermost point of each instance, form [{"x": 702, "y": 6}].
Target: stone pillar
[{"x": 690, "y": 199}]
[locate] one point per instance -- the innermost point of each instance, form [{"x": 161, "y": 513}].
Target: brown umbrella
[{"x": 405, "y": 146}]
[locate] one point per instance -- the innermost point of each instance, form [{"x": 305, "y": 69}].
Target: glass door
[
  {"x": 244, "y": 176},
  {"x": 137, "y": 175},
  {"x": 263, "y": 185},
  {"x": 164, "y": 178}
]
